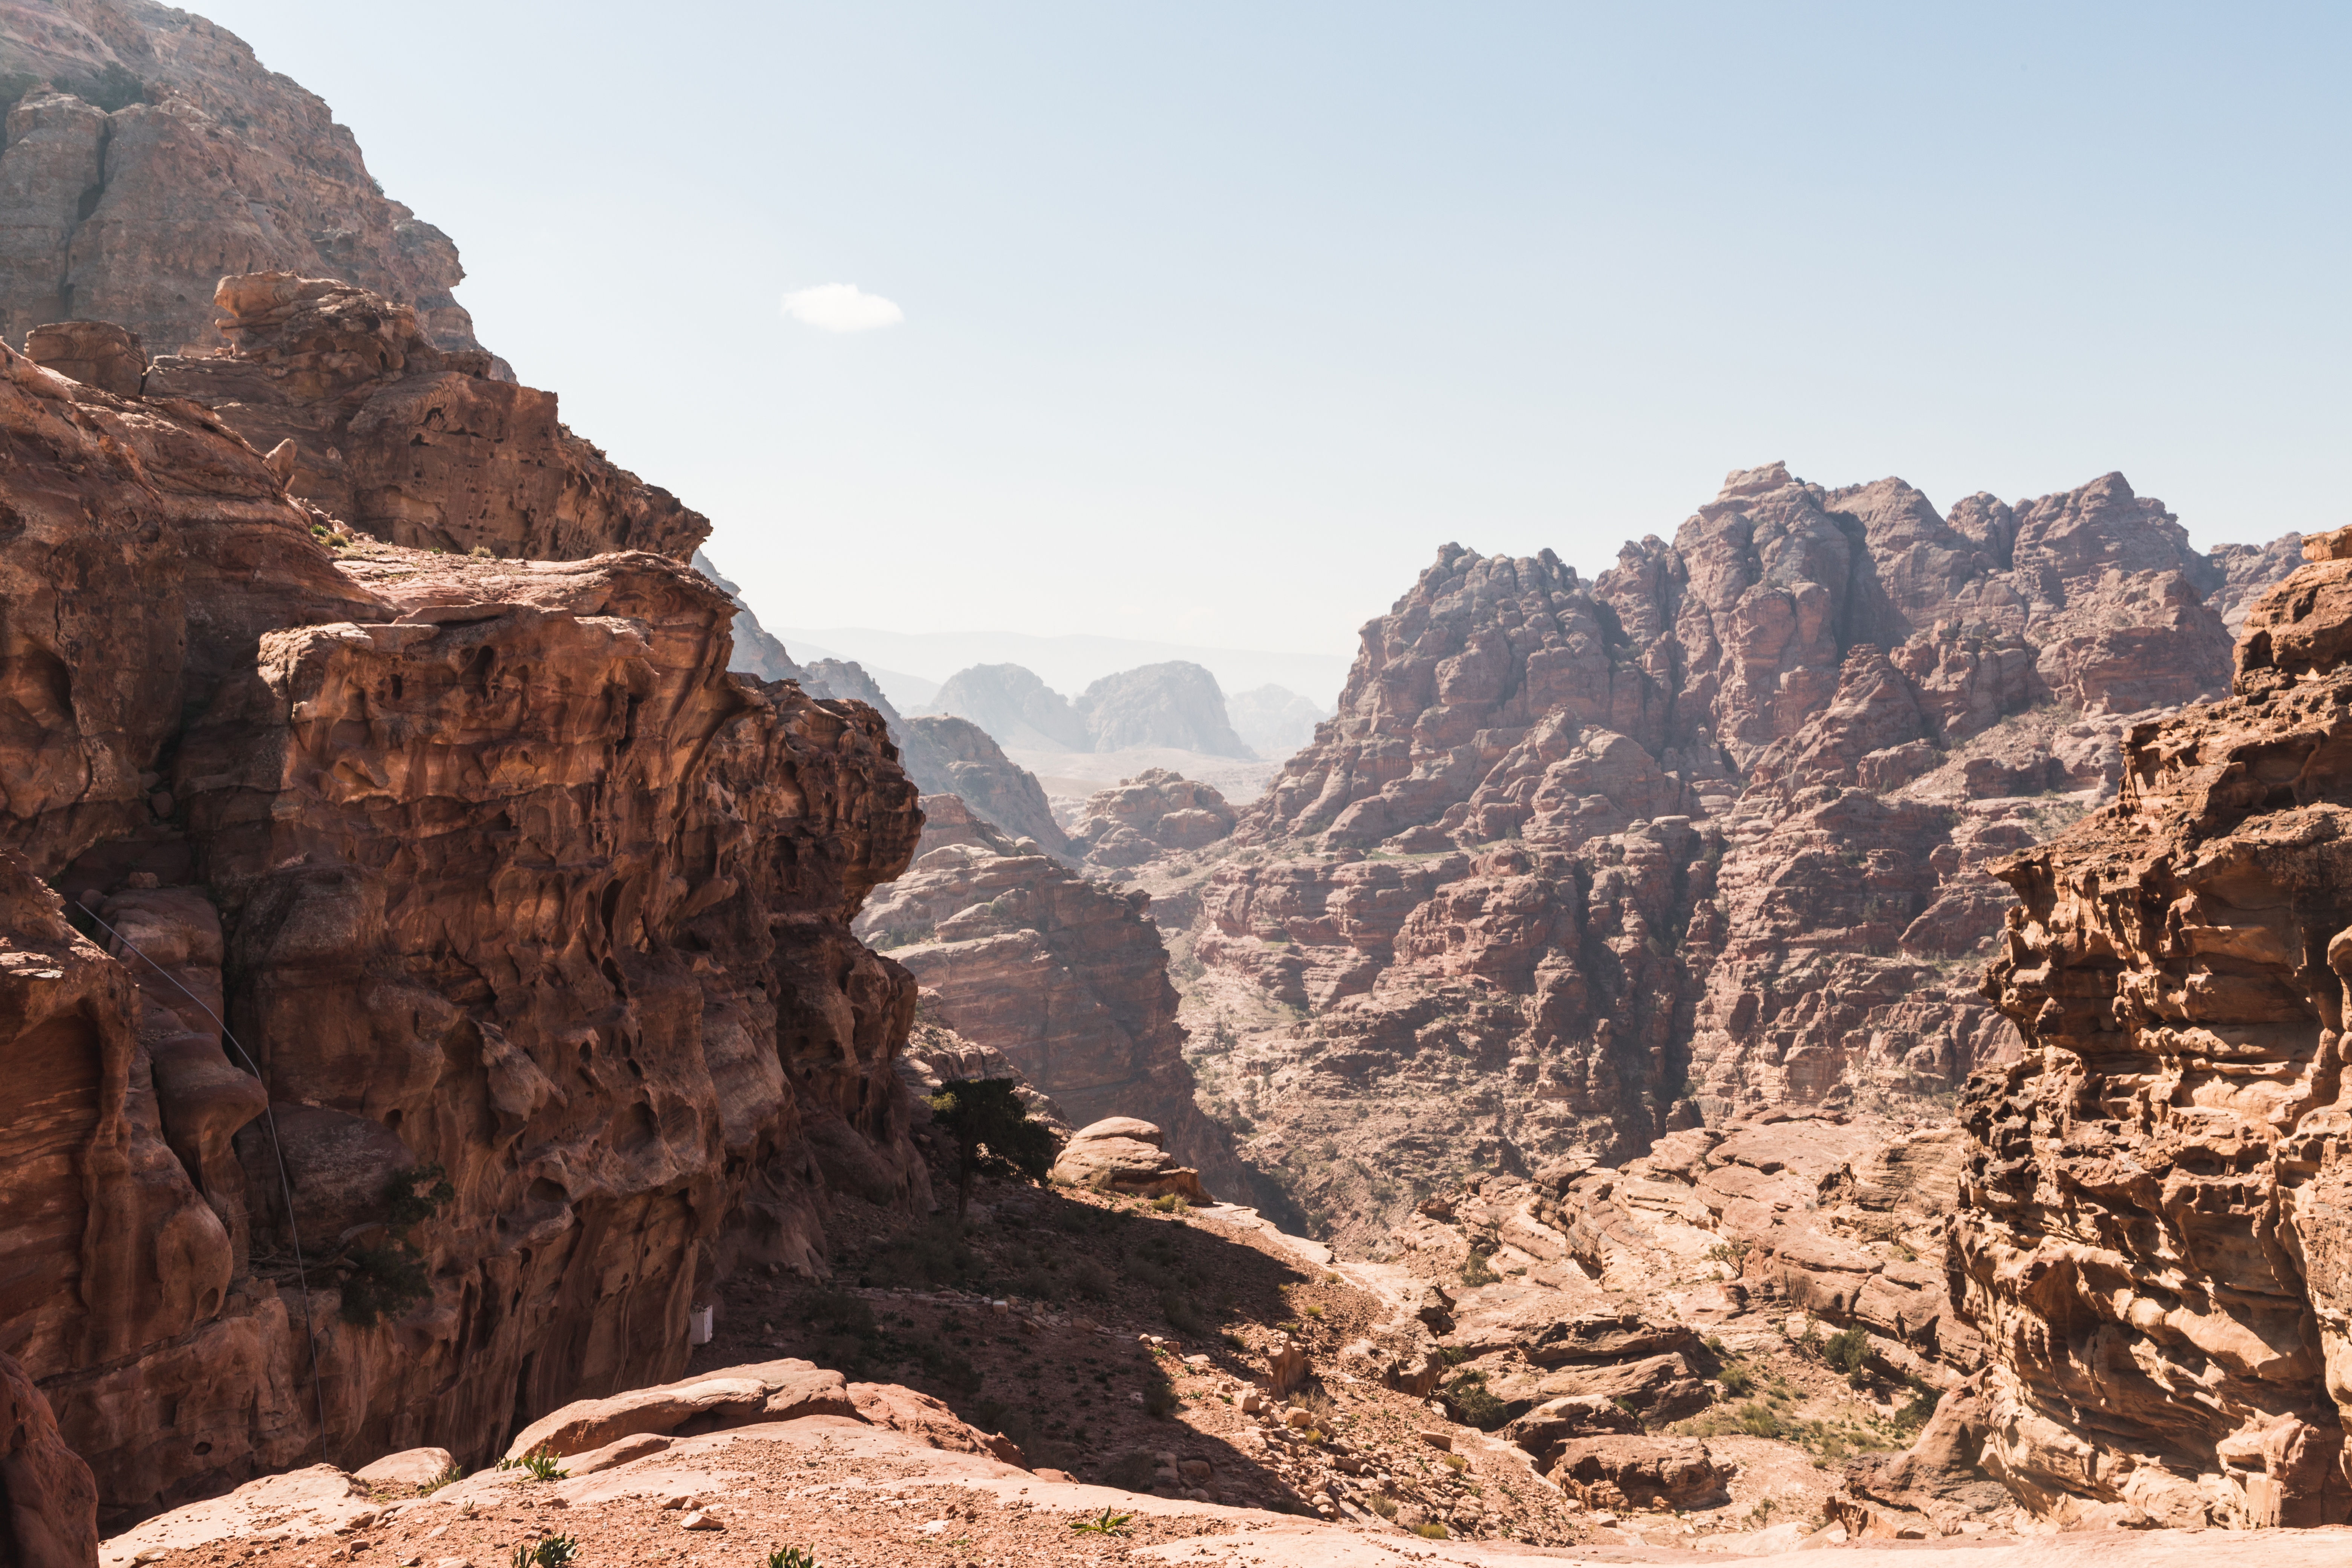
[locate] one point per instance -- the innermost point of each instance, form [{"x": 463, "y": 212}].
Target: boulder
[
  {"x": 736, "y": 1396},
  {"x": 1619, "y": 1472},
  {"x": 1121, "y": 1155}
]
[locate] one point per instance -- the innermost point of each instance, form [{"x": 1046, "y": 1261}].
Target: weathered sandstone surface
[
  {"x": 1067, "y": 978},
  {"x": 149, "y": 152},
  {"x": 1158, "y": 811},
  {"x": 490, "y": 867},
  {"x": 2151, "y": 1230},
  {"x": 408, "y": 442},
  {"x": 1579, "y": 864}
]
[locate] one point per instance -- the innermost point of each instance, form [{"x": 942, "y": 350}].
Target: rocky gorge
[{"x": 1838, "y": 1013}]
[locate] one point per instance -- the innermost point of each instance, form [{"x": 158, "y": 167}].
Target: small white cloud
[{"x": 842, "y": 308}]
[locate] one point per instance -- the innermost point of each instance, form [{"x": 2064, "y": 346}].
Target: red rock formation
[
  {"x": 490, "y": 866},
  {"x": 406, "y": 442},
  {"x": 171, "y": 156},
  {"x": 48, "y": 1506},
  {"x": 2150, "y": 1229},
  {"x": 1584, "y": 862},
  {"x": 1159, "y": 812},
  {"x": 1067, "y": 978}
]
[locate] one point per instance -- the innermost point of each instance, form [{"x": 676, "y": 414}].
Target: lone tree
[{"x": 994, "y": 1134}]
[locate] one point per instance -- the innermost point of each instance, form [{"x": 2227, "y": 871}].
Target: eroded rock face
[
  {"x": 2150, "y": 1230},
  {"x": 410, "y": 443},
  {"x": 158, "y": 154},
  {"x": 490, "y": 866},
  {"x": 955, "y": 756},
  {"x": 1065, "y": 977},
  {"x": 1123, "y": 1154},
  {"x": 1159, "y": 812},
  {"x": 1585, "y": 863},
  {"x": 48, "y": 1505}
]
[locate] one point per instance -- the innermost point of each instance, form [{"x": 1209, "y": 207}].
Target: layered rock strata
[
  {"x": 2151, "y": 1228},
  {"x": 489, "y": 866},
  {"x": 148, "y": 152},
  {"x": 1587, "y": 862},
  {"x": 1067, "y": 978},
  {"x": 408, "y": 442}
]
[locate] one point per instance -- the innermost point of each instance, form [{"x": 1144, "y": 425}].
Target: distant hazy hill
[
  {"x": 1274, "y": 722},
  {"x": 1068, "y": 664},
  {"x": 1176, "y": 703}
]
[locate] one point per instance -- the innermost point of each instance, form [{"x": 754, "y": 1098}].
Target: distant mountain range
[{"x": 912, "y": 666}]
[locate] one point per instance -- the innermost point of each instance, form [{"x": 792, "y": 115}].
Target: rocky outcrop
[
  {"x": 1014, "y": 707},
  {"x": 1122, "y": 1154},
  {"x": 956, "y": 756},
  {"x": 1584, "y": 863},
  {"x": 1159, "y": 812},
  {"x": 48, "y": 1505},
  {"x": 407, "y": 442},
  {"x": 2150, "y": 1227},
  {"x": 1272, "y": 720},
  {"x": 1067, "y": 978},
  {"x": 1173, "y": 704},
  {"x": 148, "y": 152},
  {"x": 490, "y": 867}
]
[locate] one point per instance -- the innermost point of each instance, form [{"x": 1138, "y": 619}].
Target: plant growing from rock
[
  {"x": 1107, "y": 1522},
  {"x": 386, "y": 1280},
  {"x": 791, "y": 1557},
  {"x": 552, "y": 1552}
]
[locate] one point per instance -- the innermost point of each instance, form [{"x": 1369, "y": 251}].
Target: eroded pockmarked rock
[{"x": 2150, "y": 1230}]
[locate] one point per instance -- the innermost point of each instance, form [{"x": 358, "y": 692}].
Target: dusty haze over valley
[{"x": 1301, "y": 897}]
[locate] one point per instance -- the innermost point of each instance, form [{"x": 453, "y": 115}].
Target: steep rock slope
[
  {"x": 1587, "y": 862},
  {"x": 490, "y": 866},
  {"x": 1067, "y": 978},
  {"x": 169, "y": 156},
  {"x": 406, "y": 442},
  {"x": 1158, "y": 811},
  {"x": 2151, "y": 1227}
]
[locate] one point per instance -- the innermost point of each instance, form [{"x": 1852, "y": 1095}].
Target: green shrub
[
  {"x": 994, "y": 1135},
  {"x": 550, "y": 1551},
  {"x": 1474, "y": 1403},
  {"x": 1848, "y": 1351},
  {"x": 791, "y": 1557},
  {"x": 1430, "y": 1531},
  {"x": 1476, "y": 1271},
  {"x": 385, "y": 1282},
  {"x": 1736, "y": 1381},
  {"x": 1759, "y": 1421}
]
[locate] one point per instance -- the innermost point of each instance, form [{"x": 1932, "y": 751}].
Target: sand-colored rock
[
  {"x": 2149, "y": 1230},
  {"x": 775, "y": 1391},
  {"x": 1159, "y": 812},
  {"x": 1122, "y": 1154},
  {"x": 98, "y": 353},
  {"x": 415, "y": 1468}
]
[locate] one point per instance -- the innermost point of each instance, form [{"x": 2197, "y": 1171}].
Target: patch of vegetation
[
  {"x": 1477, "y": 1272},
  {"x": 1107, "y": 1522},
  {"x": 1474, "y": 1404},
  {"x": 552, "y": 1552},
  {"x": 791, "y": 1557},
  {"x": 456, "y": 1472},
  {"x": 389, "y": 1278},
  {"x": 1849, "y": 1351},
  {"x": 1430, "y": 1530},
  {"x": 542, "y": 1464},
  {"x": 994, "y": 1135}
]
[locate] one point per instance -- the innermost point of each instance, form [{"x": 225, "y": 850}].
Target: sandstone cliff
[
  {"x": 2151, "y": 1228},
  {"x": 407, "y": 442},
  {"x": 1067, "y": 978},
  {"x": 490, "y": 866},
  {"x": 148, "y": 152},
  {"x": 1156, "y": 813},
  {"x": 1585, "y": 862}
]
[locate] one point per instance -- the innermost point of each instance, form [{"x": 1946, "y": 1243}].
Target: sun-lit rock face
[
  {"x": 2152, "y": 1230},
  {"x": 1579, "y": 862},
  {"x": 491, "y": 866}
]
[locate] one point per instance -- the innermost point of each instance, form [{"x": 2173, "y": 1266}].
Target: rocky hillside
[
  {"x": 149, "y": 152},
  {"x": 2151, "y": 1219},
  {"x": 1585, "y": 862},
  {"x": 1067, "y": 978},
  {"x": 501, "y": 881}
]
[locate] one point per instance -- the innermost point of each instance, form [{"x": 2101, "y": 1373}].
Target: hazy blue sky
[{"x": 1218, "y": 319}]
